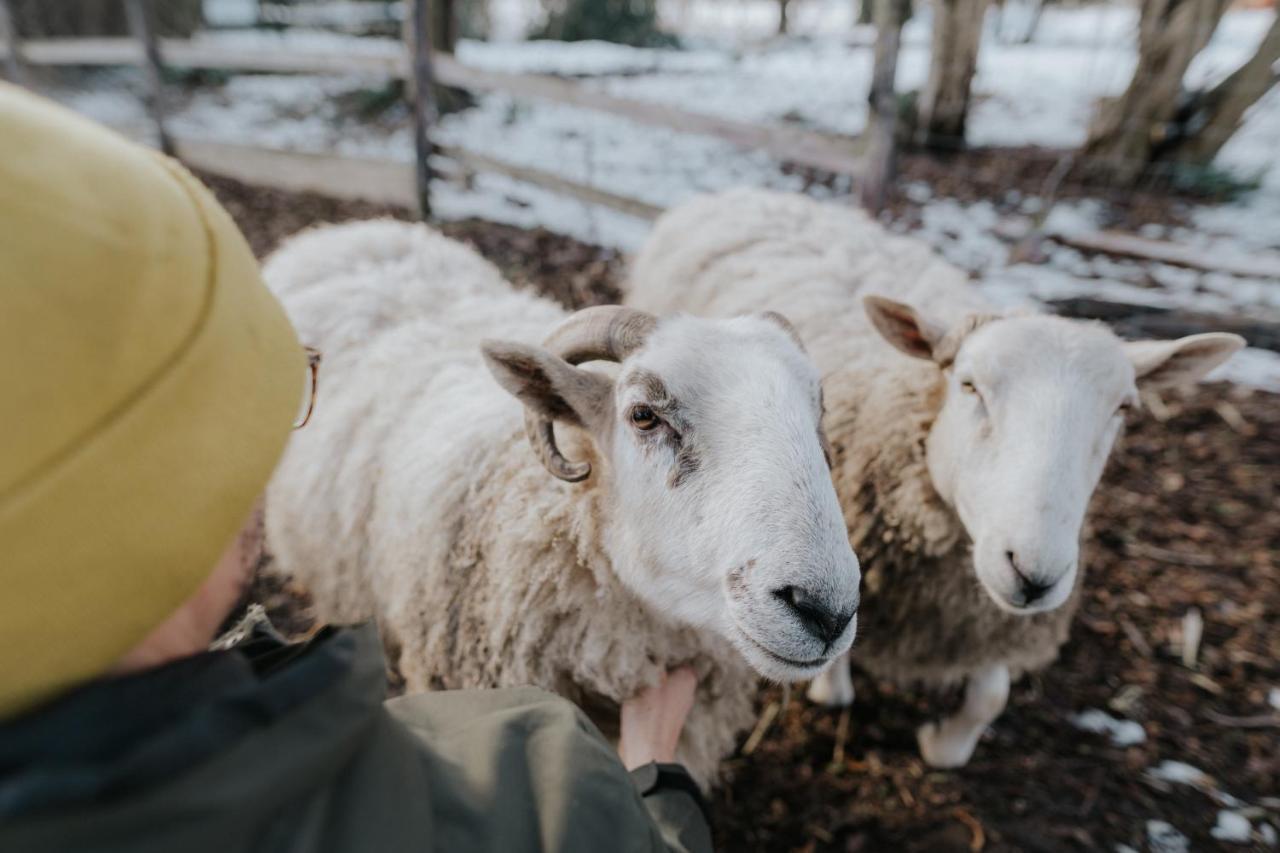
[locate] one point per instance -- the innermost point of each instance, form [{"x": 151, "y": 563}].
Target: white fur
[
  {"x": 981, "y": 466},
  {"x": 414, "y": 496}
]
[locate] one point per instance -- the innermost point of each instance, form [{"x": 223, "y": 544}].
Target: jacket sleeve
[
  {"x": 676, "y": 805},
  {"x": 522, "y": 769}
]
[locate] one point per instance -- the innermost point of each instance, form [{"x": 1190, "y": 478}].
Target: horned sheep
[
  {"x": 964, "y": 468},
  {"x": 690, "y": 518}
]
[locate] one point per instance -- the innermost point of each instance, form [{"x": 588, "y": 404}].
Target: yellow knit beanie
[{"x": 148, "y": 381}]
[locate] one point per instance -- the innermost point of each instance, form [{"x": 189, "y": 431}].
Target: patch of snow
[
  {"x": 1273, "y": 698},
  {"x": 1121, "y": 732},
  {"x": 1232, "y": 827},
  {"x": 1180, "y": 773},
  {"x": 1253, "y": 368},
  {"x": 1268, "y": 834},
  {"x": 1164, "y": 837}
]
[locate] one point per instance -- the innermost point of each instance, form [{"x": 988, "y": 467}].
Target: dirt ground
[{"x": 1187, "y": 519}]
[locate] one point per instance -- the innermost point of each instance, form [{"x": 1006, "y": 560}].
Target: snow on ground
[
  {"x": 1040, "y": 93},
  {"x": 1120, "y": 732}
]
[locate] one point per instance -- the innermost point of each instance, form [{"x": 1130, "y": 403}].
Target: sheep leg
[
  {"x": 950, "y": 742},
  {"x": 834, "y": 686}
]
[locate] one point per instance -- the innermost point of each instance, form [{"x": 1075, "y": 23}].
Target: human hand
[{"x": 652, "y": 721}]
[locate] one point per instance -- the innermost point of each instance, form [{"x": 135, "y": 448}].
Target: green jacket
[{"x": 270, "y": 747}]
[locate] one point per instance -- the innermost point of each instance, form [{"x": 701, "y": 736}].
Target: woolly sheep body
[
  {"x": 924, "y": 617},
  {"x": 414, "y": 497}
]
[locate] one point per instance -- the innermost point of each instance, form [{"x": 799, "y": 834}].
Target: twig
[
  {"x": 1135, "y": 636},
  {"x": 979, "y": 839},
  {"x": 762, "y": 726},
  {"x": 842, "y": 735},
  {"x": 1165, "y": 555},
  {"x": 1259, "y": 721}
]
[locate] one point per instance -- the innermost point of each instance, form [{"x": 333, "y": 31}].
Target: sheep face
[
  {"x": 1032, "y": 407},
  {"x": 722, "y": 513}
]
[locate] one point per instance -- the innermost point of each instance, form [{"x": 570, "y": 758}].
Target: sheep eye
[
  {"x": 643, "y": 418},
  {"x": 968, "y": 387},
  {"x": 1124, "y": 408}
]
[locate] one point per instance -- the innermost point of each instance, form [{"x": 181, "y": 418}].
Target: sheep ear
[
  {"x": 903, "y": 327},
  {"x": 548, "y": 386},
  {"x": 1163, "y": 364}
]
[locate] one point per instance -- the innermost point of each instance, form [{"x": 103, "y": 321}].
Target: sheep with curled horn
[
  {"x": 677, "y": 506},
  {"x": 967, "y": 444}
]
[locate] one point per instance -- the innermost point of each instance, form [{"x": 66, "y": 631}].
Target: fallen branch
[{"x": 1143, "y": 249}]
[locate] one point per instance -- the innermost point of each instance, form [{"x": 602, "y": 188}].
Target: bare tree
[
  {"x": 1127, "y": 130},
  {"x": 1215, "y": 115},
  {"x": 882, "y": 118},
  {"x": 944, "y": 101}
]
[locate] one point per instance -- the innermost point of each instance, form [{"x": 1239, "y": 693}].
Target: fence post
[
  {"x": 13, "y": 61},
  {"x": 424, "y": 101},
  {"x": 882, "y": 117},
  {"x": 140, "y": 24}
]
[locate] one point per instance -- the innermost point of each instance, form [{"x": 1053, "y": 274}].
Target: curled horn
[{"x": 601, "y": 333}]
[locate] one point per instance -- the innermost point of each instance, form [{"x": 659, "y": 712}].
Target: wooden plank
[
  {"x": 806, "y": 147},
  {"x": 1199, "y": 258},
  {"x": 829, "y": 152},
  {"x": 340, "y": 177},
  {"x": 380, "y": 181},
  {"x": 1148, "y": 321},
  {"x": 474, "y": 162}
]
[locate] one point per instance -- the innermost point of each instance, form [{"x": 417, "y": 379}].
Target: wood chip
[{"x": 1192, "y": 631}]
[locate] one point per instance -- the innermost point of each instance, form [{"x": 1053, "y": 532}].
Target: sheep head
[
  {"x": 722, "y": 511},
  {"x": 1032, "y": 408}
]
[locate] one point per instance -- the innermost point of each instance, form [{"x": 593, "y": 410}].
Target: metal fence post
[
  {"x": 13, "y": 68},
  {"x": 140, "y": 24},
  {"x": 424, "y": 101}
]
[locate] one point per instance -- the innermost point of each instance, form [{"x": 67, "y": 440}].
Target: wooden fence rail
[
  {"x": 384, "y": 181},
  {"x": 829, "y": 152}
]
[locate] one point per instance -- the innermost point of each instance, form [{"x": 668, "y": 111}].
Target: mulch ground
[{"x": 1187, "y": 518}]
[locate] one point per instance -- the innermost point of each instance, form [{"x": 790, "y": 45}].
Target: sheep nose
[
  {"x": 1031, "y": 587},
  {"x": 823, "y": 623}
]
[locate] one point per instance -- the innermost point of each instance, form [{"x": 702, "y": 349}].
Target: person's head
[
  {"x": 1031, "y": 407},
  {"x": 150, "y": 383}
]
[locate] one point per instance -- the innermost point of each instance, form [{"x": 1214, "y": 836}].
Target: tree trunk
[
  {"x": 944, "y": 102},
  {"x": 783, "y": 24},
  {"x": 882, "y": 117},
  {"x": 1220, "y": 111},
  {"x": 866, "y": 11},
  {"x": 1126, "y": 130},
  {"x": 37, "y": 19}
]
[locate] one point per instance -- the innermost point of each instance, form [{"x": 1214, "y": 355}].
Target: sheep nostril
[
  {"x": 1033, "y": 591},
  {"x": 819, "y": 621}
]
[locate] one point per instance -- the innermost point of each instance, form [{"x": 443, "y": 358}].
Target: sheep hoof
[
  {"x": 831, "y": 690},
  {"x": 944, "y": 750}
]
